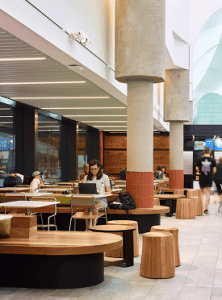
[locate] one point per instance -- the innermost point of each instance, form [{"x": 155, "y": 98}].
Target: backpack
[{"x": 125, "y": 202}]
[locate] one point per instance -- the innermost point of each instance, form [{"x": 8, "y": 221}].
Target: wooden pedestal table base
[
  {"x": 136, "y": 248},
  {"x": 56, "y": 260},
  {"x": 128, "y": 258},
  {"x": 174, "y": 231},
  {"x": 170, "y": 201},
  {"x": 157, "y": 259}
]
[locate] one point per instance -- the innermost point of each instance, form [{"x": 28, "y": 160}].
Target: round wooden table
[
  {"x": 127, "y": 240},
  {"x": 56, "y": 259},
  {"x": 168, "y": 201}
]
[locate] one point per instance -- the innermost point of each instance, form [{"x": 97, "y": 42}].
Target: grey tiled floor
[{"x": 199, "y": 277}]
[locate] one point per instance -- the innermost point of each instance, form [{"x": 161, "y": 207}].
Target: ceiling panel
[{"x": 49, "y": 70}]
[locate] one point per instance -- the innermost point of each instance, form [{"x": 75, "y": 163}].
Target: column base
[
  {"x": 140, "y": 187},
  {"x": 176, "y": 179}
]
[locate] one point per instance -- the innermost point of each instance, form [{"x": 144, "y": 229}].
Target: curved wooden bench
[{"x": 72, "y": 258}]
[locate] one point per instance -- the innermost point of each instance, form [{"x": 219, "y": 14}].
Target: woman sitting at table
[
  {"x": 36, "y": 182},
  {"x": 96, "y": 176},
  {"x": 85, "y": 172}
]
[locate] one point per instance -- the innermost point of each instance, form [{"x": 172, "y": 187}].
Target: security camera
[{"x": 80, "y": 36}]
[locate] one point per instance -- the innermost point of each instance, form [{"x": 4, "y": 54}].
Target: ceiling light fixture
[
  {"x": 43, "y": 82},
  {"x": 22, "y": 58},
  {"x": 42, "y": 126},
  {"x": 5, "y": 108},
  {"x": 105, "y": 121},
  {"x": 50, "y": 130},
  {"x": 6, "y": 122},
  {"x": 6, "y": 116},
  {"x": 110, "y": 126},
  {"x": 81, "y": 36},
  {"x": 68, "y": 108},
  {"x": 94, "y": 116},
  {"x": 55, "y": 98}
]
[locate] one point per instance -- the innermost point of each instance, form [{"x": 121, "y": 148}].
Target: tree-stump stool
[
  {"x": 158, "y": 259},
  {"x": 196, "y": 196},
  {"x": 119, "y": 251},
  {"x": 185, "y": 209},
  {"x": 174, "y": 231},
  {"x": 156, "y": 201}
]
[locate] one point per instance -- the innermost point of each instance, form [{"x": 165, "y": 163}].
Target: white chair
[
  {"x": 92, "y": 210},
  {"x": 41, "y": 211}
]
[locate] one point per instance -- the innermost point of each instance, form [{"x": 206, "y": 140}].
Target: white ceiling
[{"x": 50, "y": 70}]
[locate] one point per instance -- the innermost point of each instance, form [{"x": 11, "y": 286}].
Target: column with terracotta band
[
  {"x": 176, "y": 174},
  {"x": 176, "y": 111},
  {"x": 139, "y": 175},
  {"x": 140, "y": 63}
]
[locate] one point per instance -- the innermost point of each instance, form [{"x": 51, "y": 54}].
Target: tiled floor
[{"x": 199, "y": 277}]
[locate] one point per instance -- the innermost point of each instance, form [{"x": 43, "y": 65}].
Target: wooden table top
[
  {"x": 112, "y": 228},
  {"x": 16, "y": 189},
  {"x": 62, "y": 243},
  {"x": 140, "y": 211},
  {"x": 168, "y": 196}
]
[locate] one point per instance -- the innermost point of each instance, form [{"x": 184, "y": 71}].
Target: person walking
[
  {"x": 206, "y": 166},
  {"x": 218, "y": 182}
]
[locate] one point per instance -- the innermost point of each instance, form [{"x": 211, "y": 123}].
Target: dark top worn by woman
[{"x": 218, "y": 175}]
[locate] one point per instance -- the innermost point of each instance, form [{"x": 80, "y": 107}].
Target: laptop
[{"x": 87, "y": 188}]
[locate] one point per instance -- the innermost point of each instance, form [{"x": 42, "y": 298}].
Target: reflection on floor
[{"x": 199, "y": 277}]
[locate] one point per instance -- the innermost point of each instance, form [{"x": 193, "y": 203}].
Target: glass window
[
  {"x": 81, "y": 147},
  {"x": 7, "y": 139},
  {"x": 49, "y": 137}
]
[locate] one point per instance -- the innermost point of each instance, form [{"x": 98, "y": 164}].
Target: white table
[
  {"x": 30, "y": 195},
  {"x": 28, "y": 204}
]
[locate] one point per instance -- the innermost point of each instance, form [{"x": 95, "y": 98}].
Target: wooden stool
[
  {"x": 158, "y": 259},
  {"x": 119, "y": 252},
  {"x": 174, "y": 231},
  {"x": 185, "y": 209},
  {"x": 156, "y": 201},
  {"x": 196, "y": 196}
]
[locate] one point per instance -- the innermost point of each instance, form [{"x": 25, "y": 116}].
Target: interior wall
[{"x": 115, "y": 152}]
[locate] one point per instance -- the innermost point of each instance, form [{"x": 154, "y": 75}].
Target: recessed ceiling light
[
  {"x": 68, "y": 108},
  {"x": 110, "y": 126},
  {"x": 5, "y": 108},
  {"x": 50, "y": 130},
  {"x": 41, "y": 82},
  {"x": 22, "y": 58},
  {"x": 6, "y": 122},
  {"x": 60, "y": 97},
  {"x": 105, "y": 121},
  {"x": 6, "y": 116},
  {"x": 42, "y": 126},
  {"x": 88, "y": 116}
]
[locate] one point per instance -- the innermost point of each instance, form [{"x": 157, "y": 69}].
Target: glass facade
[
  {"x": 49, "y": 141},
  {"x": 81, "y": 149},
  {"x": 7, "y": 139},
  {"x": 207, "y": 73}
]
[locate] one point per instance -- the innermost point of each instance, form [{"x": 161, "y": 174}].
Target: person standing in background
[{"x": 206, "y": 166}]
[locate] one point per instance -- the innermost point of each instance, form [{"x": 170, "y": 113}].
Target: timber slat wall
[{"x": 115, "y": 146}]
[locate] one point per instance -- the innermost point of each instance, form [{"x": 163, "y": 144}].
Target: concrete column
[
  {"x": 176, "y": 156},
  {"x": 176, "y": 111},
  {"x": 140, "y": 46},
  {"x": 140, "y": 142}
]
